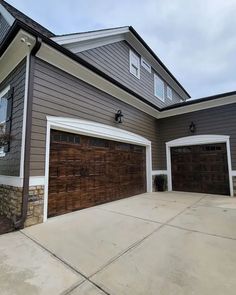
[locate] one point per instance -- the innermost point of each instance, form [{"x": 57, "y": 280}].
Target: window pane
[
  {"x": 3, "y": 109},
  {"x": 159, "y": 88},
  {"x": 169, "y": 92}
]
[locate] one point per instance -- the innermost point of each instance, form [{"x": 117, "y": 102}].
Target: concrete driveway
[{"x": 159, "y": 243}]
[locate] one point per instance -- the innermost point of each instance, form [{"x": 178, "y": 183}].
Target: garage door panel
[
  {"x": 200, "y": 168},
  {"x": 86, "y": 171}
]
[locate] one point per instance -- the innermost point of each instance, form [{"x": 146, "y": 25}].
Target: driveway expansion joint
[{"x": 68, "y": 291}]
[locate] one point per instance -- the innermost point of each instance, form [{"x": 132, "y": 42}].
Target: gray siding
[
  {"x": 4, "y": 27},
  {"x": 113, "y": 59},
  {"x": 219, "y": 121},
  {"x": 57, "y": 93},
  {"x": 10, "y": 164}
]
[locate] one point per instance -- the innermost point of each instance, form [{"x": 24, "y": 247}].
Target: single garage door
[
  {"x": 86, "y": 171},
  {"x": 200, "y": 168}
]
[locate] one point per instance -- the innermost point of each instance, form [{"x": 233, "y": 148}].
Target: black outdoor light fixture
[
  {"x": 192, "y": 127},
  {"x": 119, "y": 116}
]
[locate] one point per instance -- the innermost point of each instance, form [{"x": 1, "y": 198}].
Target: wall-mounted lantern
[
  {"x": 119, "y": 117},
  {"x": 192, "y": 127}
]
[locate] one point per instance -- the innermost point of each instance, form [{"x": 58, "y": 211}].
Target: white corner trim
[
  {"x": 90, "y": 128},
  {"x": 198, "y": 140},
  {"x": 8, "y": 17},
  {"x": 17, "y": 181},
  {"x": 159, "y": 172},
  {"x": 24, "y": 116}
]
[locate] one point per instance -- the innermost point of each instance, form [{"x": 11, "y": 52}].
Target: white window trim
[
  {"x": 2, "y": 93},
  {"x": 155, "y": 78},
  {"x": 131, "y": 54},
  {"x": 90, "y": 128},
  {"x": 167, "y": 93},
  {"x": 198, "y": 140},
  {"x": 146, "y": 65}
]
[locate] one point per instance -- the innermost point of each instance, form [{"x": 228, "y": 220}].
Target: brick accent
[{"x": 11, "y": 199}]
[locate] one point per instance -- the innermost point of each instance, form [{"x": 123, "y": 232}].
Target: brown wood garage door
[
  {"x": 87, "y": 171},
  {"x": 200, "y": 168}
]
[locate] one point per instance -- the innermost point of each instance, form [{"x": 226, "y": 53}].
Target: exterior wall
[
  {"x": 57, "y": 93},
  {"x": 113, "y": 59},
  {"x": 215, "y": 121},
  {"x": 11, "y": 200},
  {"x": 4, "y": 27},
  {"x": 10, "y": 163}
]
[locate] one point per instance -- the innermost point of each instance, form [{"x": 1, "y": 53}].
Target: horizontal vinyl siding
[
  {"x": 56, "y": 93},
  {"x": 10, "y": 164},
  {"x": 215, "y": 121},
  {"x": 113, "y": 59}
]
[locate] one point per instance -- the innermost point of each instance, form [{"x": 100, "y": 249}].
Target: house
[{"x": 92, "y": 117}]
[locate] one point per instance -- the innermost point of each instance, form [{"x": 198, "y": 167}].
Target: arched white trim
[
  {"x": 90, "y": 128},
  {"x": 197, "y": 140}
]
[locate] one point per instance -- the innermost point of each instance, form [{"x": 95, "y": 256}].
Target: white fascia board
[
  {"x": 8, "y": 17},
  {"x": 14, "y": 54},
  {"x": 63, "y": 40},
  {"x": 198, "y": 106},
  {"x": 66, "y": 64}
]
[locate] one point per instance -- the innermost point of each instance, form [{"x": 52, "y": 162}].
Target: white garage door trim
[
  {"x": 198, "y": 140},
  {"x": 90, "y": 128}
]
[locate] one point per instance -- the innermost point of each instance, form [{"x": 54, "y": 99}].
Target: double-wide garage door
[
  {"x": 87, "y": 171},
  {"x": 200, "y": 168}
]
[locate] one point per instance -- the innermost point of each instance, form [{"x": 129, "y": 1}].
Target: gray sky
[{"x": 196, "y": 39}]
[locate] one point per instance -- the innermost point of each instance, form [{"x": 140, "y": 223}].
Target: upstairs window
[
  {"x": 169, "y": 92},
  {"x": 3, "y": 114},
  {"x": 159, "y": 88},
  {"x": 134, "y": 64},
  {"x": 146, "y": 65}
]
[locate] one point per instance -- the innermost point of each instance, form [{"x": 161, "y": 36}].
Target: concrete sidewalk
[{"x": 159, "y": 243}]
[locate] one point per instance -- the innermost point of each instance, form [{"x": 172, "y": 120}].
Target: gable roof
[
  {"x": 92, "y": 39},
  {"x": 20, "y": 16}
]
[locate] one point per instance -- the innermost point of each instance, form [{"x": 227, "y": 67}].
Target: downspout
[{"x": 26, "y": 174}]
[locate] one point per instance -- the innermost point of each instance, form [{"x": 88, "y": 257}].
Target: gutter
[{"x": 18, "y": 224}]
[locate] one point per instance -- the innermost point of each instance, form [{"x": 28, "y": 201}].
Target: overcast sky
[{"x": 196, "y": 39}]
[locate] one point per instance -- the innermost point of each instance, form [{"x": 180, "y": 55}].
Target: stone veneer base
[{"x": 11, "y": 200}]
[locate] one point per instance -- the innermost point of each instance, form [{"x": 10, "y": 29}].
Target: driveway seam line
[
  {"x": 66, "y": 264},
  {"x": 120, "y": 213},
  {"x": 137, "y": 243},
  {"x": 201, "y": 232}
]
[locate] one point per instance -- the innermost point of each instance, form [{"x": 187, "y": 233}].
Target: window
[
  {"x": 3, "y": 114},
  {"x": 146, "y": 65},
  {"x": 169, "y": 92},
  {"x": 159, "y": 88},
  {"x": 134, "y": 64}
]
